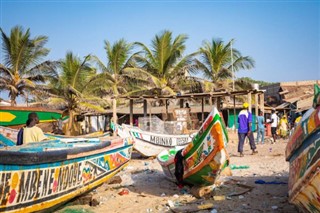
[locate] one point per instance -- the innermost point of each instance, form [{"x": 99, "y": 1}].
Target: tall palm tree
[
  {"x": 163, "y": 66},
  {"x": 216, "y": 60},
  {"x": 69, "y": 88},
  {"x": 23, "y": 68},
  {"x": 112, "y": 80}
]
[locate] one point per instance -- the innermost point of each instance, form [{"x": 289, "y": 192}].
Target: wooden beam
[
  {"x": 202, "y": 110},
  {"x": 181, "y": 103},
  {"x": 256, "y": 106},
  {"x": 131, "y": 112},
  {"x": 145, "y": 108},
  {"x": 250, "y": 102},
  {"x": 219, "y": 104},
  {"x": 166, "y": 102},
  {"x": 262, "y": 102},
  {"x": 234, "y": 114}
]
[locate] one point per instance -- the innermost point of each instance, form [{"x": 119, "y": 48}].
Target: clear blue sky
[{"x": 283, "y": 37}]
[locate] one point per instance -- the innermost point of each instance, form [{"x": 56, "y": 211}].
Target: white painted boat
[{"x": 149, "y": 143}]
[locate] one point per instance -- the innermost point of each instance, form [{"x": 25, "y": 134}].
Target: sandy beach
[{"x": 149, "y": 191}]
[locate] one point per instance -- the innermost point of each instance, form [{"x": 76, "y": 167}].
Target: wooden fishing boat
[
  {"x": 41, "y": 176},
  {"x": 13, "y": 133},
  {"x": 15, "y": 116},
  {"x": 149, "y": 143},
  {"x": 203, "y": 159},
  {"x": 303, "y": 154}
]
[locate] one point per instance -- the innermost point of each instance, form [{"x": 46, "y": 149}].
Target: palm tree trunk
[
  {"x": 13, "y": 100},
  {"x": 69, "y": 127}
]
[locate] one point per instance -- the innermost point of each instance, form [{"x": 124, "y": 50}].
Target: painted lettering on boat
[
  {"x": 33, "y": 184},
  {"x": 161, "y": 140},
  {"x": 182, "y": 141},
  {"x": 28, "y": 185}
]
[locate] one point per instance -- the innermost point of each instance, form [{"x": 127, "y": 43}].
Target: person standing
[
  {"x": 283, "y": 127},
  {"x": 244, "y": 130},
  {"x": 261, "y": 130},
  {"x": 32, "y": 133},
  {"x": 274, "y": 124}
]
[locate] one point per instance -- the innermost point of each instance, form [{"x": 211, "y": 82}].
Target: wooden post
[
  {"x": 202, "y": 110},
  {"x": 256, "y": 106},
  {"x": 181, "y": 103},
  {"x": 210, "y": 101},
  {"x": 166, "y": 102},
  {"x": 234, "y": 113},
  {"x": 145, "y": 112},
  {"x": 131, "y": 112},
  {"x": 219, "y": 104},
  {"x": 262, "y": 102},
  {"x": 249, "y": 101},
  {"x": 115, "y": 119}
]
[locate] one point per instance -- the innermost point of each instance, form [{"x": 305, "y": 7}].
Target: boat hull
[
  {"x": 303, "y": 154},
  {"x": 44, "y": 175},
  {"x": 151, "y": 144},
  {"x": 204, "y": 158},
  {"x": 12, "y": 134}
]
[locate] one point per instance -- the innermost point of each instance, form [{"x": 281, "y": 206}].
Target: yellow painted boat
[
  {"x": 43, "y": 175},
  {"x": 303, "y": 153}
]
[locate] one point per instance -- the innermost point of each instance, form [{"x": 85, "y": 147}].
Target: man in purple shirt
[{"x": 244, "y": 130}]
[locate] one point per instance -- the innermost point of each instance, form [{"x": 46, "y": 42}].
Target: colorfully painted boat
[
  {"x": 15, "y": 116},
  {"x": 13, "y": 133},
  {"x": 41, "y": 176},
  {"x": 149, "y": 143},
  {"x": 303, "y": 154},
  {"x": 203, "y": 159}
]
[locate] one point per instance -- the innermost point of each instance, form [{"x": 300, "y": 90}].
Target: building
[{"x": 295, "y": 96}]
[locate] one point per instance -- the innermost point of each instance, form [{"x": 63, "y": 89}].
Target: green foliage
[
  {"x": 112, "y": 79},
  {"x": 252, "y": 81},
  {"x": 23, "y": 69},
  {"x": 216, "y": 60},
  {"x": 162, "y": 67}
]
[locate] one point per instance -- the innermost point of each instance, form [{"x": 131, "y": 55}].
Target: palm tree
[
  {"x": 110, "y": 80},
  {"x": 216, "y": 63},
  {"x": 113, "y": 80},
  {"x": 69, "y": 89},
  {"x": 162, "y": 67},
  {"x": 23, "y": 69}
]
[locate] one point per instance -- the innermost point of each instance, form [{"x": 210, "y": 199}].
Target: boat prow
[
  {"x": 202, "y": 160},
  {"x": 303, "y": 154}
]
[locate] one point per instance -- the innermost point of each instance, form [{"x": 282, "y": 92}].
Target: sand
[{"x": 150, "y": 191}]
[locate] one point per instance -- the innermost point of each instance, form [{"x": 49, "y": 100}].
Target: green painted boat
[
  {"x": 15, "y": 116},
  {"x": 202, "y": 160}
]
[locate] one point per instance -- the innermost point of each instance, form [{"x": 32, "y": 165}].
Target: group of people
[{"x": 279, "y": 126}]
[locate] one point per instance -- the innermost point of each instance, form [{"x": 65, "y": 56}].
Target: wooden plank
[
  {"x": 202, "y": 110},
  {"x": 145, "y": 112},
  {"x": 131, "y": 112},
  {"x": 249, "y": 101}
]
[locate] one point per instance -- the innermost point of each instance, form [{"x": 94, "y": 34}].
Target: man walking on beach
[
  {"x": 274, "y": 124},
  {"x": 244, "y": 130},
  {"x": 260, "y": 122}
]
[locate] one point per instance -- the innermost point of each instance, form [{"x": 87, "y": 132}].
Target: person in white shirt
[{"x": 274, "y": 124}]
